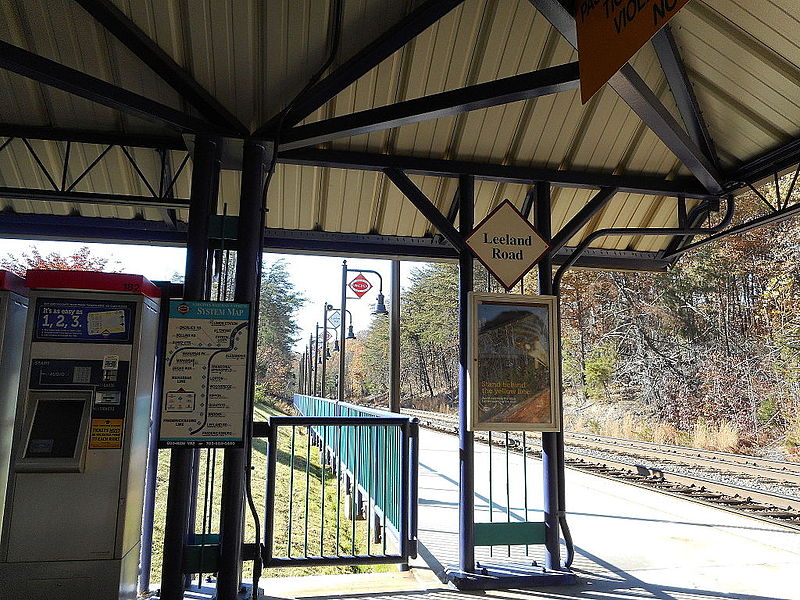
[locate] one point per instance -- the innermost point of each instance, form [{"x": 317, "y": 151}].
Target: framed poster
[{"x": 514, "y": 370}]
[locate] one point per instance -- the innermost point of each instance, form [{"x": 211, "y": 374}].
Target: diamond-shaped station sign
[
  {"x": 360, "y": 285},
  {"x": 507, "y": 244},
  {"x": 335, "y": 319}
]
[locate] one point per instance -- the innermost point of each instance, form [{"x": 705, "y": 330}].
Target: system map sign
[
  {"x": 514, "y": 379},
  {"x": 205, "y": 371}
]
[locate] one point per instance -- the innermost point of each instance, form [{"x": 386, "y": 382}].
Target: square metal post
[
  {"x": 205, "y": 182},
  {"x": 250, "y": 238},
  {"x": 550, "y": 473},
  {"x": 466, "y": 488}
]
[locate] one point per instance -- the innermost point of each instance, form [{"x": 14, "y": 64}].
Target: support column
[
  {"x": 466, "y": 488},
  {"x": 394, "y": 341},
  {"x": 250, "y": 238},
  {"x": 542, "y": 223},
  {"x": 205, "y": 182},
  {"x": 146, "y": 552},
  {"x": 310, "y": 374}
]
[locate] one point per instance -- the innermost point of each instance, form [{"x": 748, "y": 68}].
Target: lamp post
[
  {"x": 324, "y": 346},
  {"x": 316, "y": 359},
  {"x": 310, "y": 367},
  {"x": 380, "y": 309}
]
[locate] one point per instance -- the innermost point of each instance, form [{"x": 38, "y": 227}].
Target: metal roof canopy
[{"x": 102, "y": 100}]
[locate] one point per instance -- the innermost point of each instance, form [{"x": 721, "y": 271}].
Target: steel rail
[
  {"x": 741, "y": 464},
  {"x": 756, "y": 504}
]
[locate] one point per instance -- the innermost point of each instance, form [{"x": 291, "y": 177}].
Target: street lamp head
[
  {"x": 335, "y": 345},
  {"x": 327, "y": 352},
  {"x": 380, "y": 306},
  {"x": 350, "y": 334}
]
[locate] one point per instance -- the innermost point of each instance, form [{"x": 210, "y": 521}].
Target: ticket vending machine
[
  {"x": 73, "y": 512},
  {"x": 13, "y": 308}
]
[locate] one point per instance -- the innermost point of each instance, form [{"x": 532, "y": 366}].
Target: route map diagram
[{"x": 205, "y": 369}]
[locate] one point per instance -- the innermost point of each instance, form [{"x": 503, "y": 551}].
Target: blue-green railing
[{"x": 371, "y": 456}]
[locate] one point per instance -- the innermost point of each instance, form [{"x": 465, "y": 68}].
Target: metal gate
[{"x": 341, "y": 486}]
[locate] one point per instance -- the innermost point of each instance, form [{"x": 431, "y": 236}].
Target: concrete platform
[{"x": 631, "y": 544}]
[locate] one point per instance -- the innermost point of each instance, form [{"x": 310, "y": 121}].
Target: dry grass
[
  {"x": 723, "y": 436},
  {"x": 211, "y": 463}
]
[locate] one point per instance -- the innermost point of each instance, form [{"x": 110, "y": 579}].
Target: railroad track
[{"x": 764, "y": 489}]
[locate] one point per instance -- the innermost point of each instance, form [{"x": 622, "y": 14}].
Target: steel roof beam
[
  {"x": 766, "y": 165},
  {"x": 90, "y": 229},
  {"x": 634, "y": 91},
  {"x": 426, "y": 207},
  {"x": 82, "y": 136},
  {"x": 365, "y": 161},
  {"x": 671, "y": 62},
  {"x": 90, "y": 198},
  {"x": 363, "y": 61},
  {"x": 70, "y": 80},
  {"x": 127, "y": 32},
  {"x": 768, "y": 219},
  {"x": 436, "y": 106},
  {"x": 527, "y": 204},
  {"x": 138, "y": 231},
  {"x": 584, "y": 215}
]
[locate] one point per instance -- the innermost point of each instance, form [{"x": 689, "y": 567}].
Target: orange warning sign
[
  {"x": 105, "y": 433},
  {"x": 611, "y": 31}
]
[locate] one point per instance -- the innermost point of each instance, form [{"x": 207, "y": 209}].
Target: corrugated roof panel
[
  {"x": 740, "y": 80},
  {"x": 63, "y": 32},
  {"x": 229, "y": 193}
]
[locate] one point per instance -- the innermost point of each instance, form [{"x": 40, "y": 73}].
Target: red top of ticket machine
[{"x": 91, "y": 280}]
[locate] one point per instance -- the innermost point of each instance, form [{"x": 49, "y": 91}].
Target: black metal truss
[
  {"x": 70, "y": 80},
  {"x": 683, "y": 92},
  {"x": 379, "y": 162},
  {"x": 634, "y": 91},
  {"x": 90, "y": 198},
  {"x": 756, "y": 170},
  {"x": 63, "y": 190},
  {"x": 436, "y": 106},
  {"x": 127, "y": 32},
  {"x": 766, "y": 165},
  {"x": 774, "y": 216},
  {"x": 635, "y": 184},
  {"x": 363, "y": 61}
]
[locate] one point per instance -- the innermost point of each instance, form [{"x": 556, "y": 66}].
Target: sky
[{"x": 318, "y": 278}]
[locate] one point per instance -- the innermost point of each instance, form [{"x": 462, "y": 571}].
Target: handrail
[{"x": 367, "y": 475}]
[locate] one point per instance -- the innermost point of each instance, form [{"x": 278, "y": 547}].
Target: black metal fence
[{"x": 341, "y": 486}]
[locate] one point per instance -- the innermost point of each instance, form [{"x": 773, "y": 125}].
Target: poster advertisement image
[{"x": 514, "y": 377}]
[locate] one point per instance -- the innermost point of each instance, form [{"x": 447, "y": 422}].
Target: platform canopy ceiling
[{"x": 100, "y": 102}]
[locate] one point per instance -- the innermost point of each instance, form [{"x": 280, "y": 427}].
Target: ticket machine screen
[{"x": 55, "y": 429}]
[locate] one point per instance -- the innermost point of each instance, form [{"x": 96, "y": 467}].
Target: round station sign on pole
[{"x": 360, "y": 285}]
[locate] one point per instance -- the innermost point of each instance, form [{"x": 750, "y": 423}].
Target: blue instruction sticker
[{"x": 96, "y": 321}]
